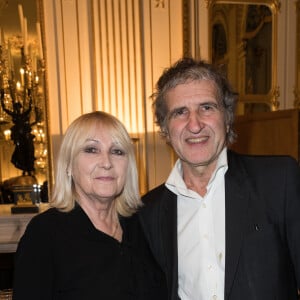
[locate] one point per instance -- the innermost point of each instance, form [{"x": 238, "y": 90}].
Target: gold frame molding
[
  {"x": 271, "y": 98},
  {"x": 50, "y": 174}
]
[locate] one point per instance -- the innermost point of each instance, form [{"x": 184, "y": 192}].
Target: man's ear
[
  {"x": 165, "y": 133},
  {"x": 168, "y": 137}
]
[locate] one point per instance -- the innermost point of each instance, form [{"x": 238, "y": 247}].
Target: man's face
[{"x": 195, "y": 123}]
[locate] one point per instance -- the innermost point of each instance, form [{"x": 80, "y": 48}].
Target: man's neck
[{"x": 197, "y": 178}]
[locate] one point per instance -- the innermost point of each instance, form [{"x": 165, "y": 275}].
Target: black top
[{"x": 63, "y": 256}]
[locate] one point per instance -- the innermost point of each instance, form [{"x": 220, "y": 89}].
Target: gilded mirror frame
[
  {"x": 41, "y": 18},
  {"x": 271, "y": 98}
]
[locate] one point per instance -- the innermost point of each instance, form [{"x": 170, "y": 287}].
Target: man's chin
[
  {"x": 201, "y": 162},
  {"x": 196, "y": 163}
]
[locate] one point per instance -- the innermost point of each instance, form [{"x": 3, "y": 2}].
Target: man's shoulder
[
  {"x": 261, "y": 160},
  {"x": 263, "y": 167},
  {"x": 157, "y": 200},
  {"x": 156, "y": 194}
]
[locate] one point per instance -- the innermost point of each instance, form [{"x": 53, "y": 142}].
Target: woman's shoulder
[
  {"x": 47, "y": 220},
  {"x": 48, "y": 215}
]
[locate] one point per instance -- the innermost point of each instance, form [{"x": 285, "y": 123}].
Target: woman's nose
[{"x": 105, "y": 161}]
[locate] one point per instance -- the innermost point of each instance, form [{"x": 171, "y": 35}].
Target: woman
[{"x": 89, "y": 245}]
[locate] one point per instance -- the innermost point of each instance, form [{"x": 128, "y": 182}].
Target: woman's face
[{"x": 99, "y": 170}]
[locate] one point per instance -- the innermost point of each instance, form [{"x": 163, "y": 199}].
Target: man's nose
[{"x": 195, "y": 122}]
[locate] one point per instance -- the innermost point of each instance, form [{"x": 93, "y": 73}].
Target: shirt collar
[
  {"x": 176, "y": 184},
  {"x": 221, "y": 165}
]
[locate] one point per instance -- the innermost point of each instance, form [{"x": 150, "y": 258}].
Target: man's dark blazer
[{"x": 262, "y": 211}]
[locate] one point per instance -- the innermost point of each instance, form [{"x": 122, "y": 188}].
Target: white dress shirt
[{"x": 201, "y": 235}]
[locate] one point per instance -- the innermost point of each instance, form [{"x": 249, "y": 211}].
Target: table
[{"x": 12, "y": 226}]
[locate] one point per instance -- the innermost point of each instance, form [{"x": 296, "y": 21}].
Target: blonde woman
[{"x": 89, "y": 245}]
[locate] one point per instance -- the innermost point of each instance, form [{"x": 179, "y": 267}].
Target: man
[{"x": 224, "y": 225}]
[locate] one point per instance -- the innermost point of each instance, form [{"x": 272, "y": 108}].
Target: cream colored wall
[
  {"x": 107, "y": 55},
  {"x": 104, "y": 54},
  {"x": 163, "y": 44}
]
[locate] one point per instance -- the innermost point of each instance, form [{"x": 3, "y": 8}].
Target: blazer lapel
[
  {"x": 169, "y": 240},
  {"x": 159, "y": 219},
  {"x": 237, "y": 196}
]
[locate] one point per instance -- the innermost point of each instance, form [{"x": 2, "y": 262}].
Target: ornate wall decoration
[{"x": 249, "y": 50}]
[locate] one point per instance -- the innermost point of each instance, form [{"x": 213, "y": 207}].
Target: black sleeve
[
  {"x": 150, "y": 281},
  {"x": 33, "y": 270}
]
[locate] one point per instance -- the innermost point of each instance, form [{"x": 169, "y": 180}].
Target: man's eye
[
  {"x": 118, "y": 152},
  {"x": 90, "y": 150},
  {"x": 209, "y": 107},
  {"x": 178, "y": 112}
]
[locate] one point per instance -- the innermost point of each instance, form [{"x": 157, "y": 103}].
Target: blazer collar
[
  {"x": 243, "y": 209},
  {"x": 241, "y": 203},
  {"x": 169, "y": 232},
  {"x": 236, "y": 203}
]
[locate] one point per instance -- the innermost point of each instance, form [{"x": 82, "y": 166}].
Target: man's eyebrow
[
  {"x": 175, "y": 109},
  {"x": 215, "y": 104}
]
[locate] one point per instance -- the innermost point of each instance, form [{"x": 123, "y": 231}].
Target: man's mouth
[{"x": 197, "y": 140}]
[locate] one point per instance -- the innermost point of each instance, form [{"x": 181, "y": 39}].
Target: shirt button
[
  {"x": 214, "y": 297},
  {"x": 220, "y": 256},
  {"x": 203, "y": 205}
]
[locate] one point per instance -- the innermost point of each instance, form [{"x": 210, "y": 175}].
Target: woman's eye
[
  {"x": 118, "y": 152},
  {"x": 90, "y": 150}
]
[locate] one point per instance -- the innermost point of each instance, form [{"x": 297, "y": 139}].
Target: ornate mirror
[
  {"x": 24, "y": 171},
  {"x": 244, "y": 41}
]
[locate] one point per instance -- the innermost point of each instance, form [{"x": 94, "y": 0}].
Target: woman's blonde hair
[{"x": 64, "y": 194}]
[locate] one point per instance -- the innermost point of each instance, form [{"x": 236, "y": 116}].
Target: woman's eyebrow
[{"x": 92, "y": 140}]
